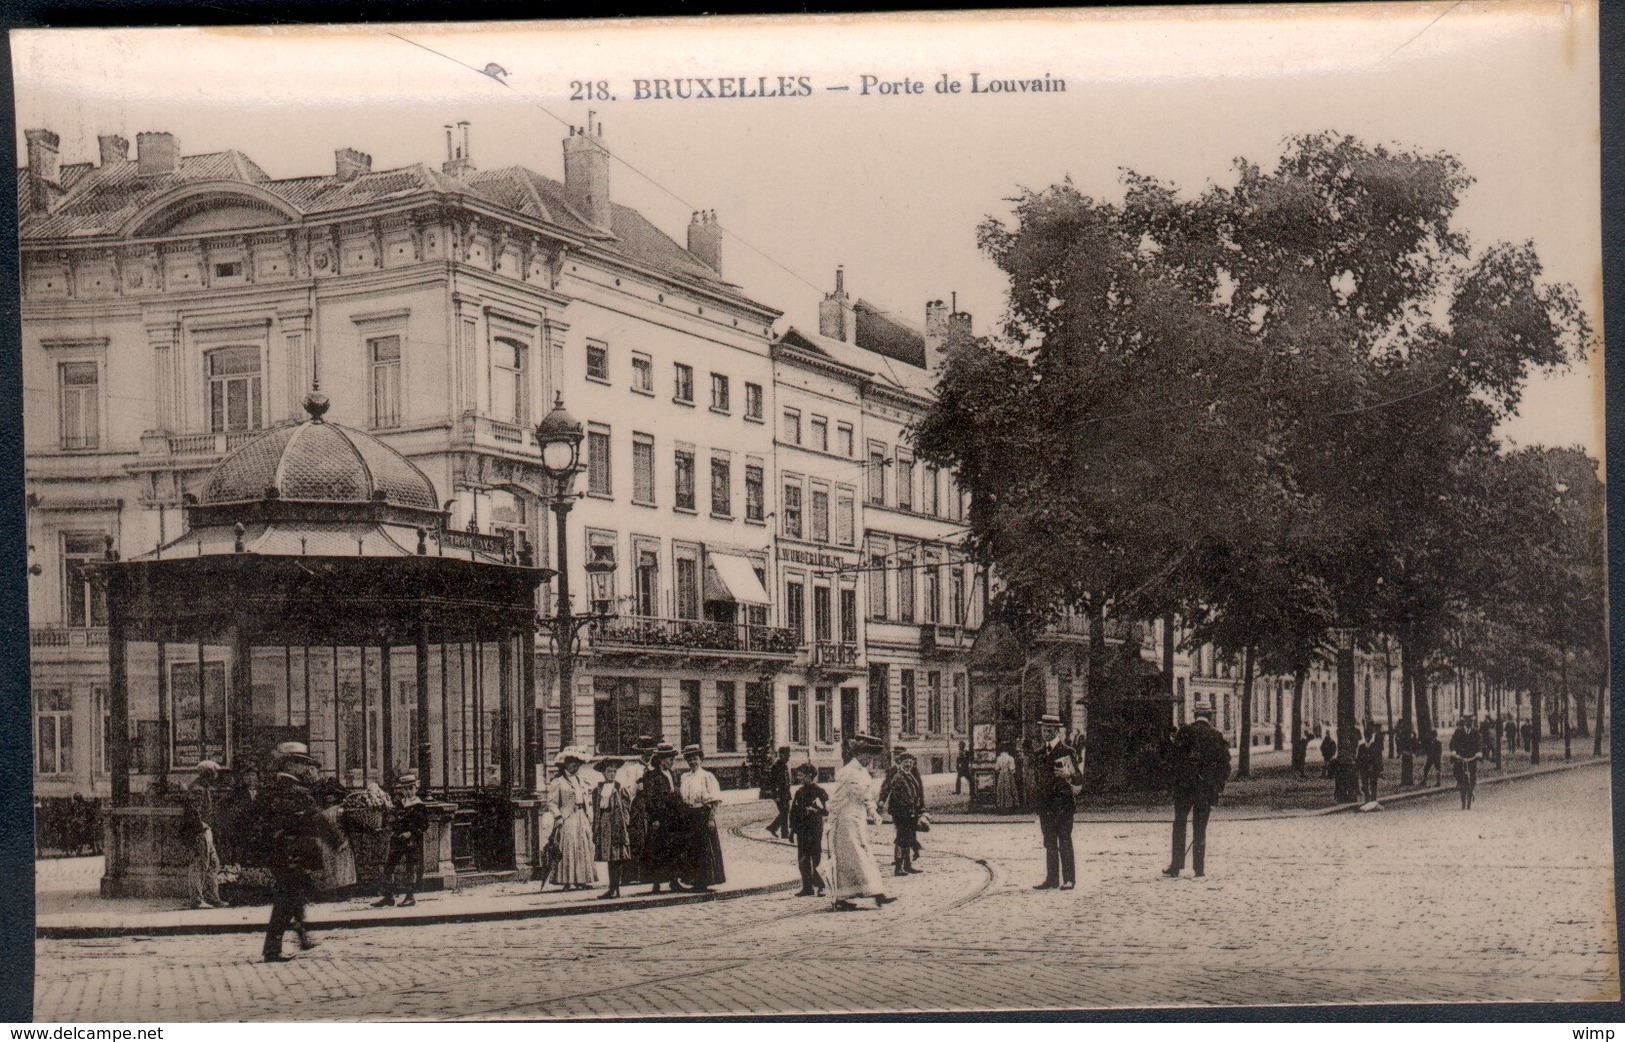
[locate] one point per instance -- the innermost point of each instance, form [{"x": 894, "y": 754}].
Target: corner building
[{"x": 176, "y": 307}]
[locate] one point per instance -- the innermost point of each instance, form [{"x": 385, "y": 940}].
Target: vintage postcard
[{"x": 978, "y": 512}]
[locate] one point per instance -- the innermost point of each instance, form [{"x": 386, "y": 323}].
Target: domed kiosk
[{"x": 318, "y": 595}]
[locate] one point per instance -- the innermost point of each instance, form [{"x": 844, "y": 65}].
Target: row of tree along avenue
[{"x": 1270, "y": 410}]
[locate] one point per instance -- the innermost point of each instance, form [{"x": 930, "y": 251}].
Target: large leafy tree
[{"x": 1270, "y": 406}]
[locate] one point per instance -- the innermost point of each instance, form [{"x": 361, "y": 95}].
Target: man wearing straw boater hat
[
  {"x": 295, "y": 829},
  {"x": 1055, "y": 804}
]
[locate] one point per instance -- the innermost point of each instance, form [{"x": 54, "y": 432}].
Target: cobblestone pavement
[{"x": 1512, "y": 901}]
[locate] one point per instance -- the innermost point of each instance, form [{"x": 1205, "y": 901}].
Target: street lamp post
[{"x": 559, "y": 437}]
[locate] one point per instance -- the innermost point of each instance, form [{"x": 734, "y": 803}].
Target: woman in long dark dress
[
  {"x": 701, "y": 795},
  {"x": 664, "y": 833},
  {"x": 611, "y": 824}
]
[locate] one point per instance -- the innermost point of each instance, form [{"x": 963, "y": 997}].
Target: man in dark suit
[
  {"x": 295, "y": 829},
  {"x": 778, "y": 788},
  {"x": 1199, "y": 765},
  {"x": 1054, "y": 782}
]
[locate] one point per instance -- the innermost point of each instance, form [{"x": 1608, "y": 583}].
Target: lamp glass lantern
[
  {"x": 559, "y": 437},
  {"x": 600, "y": 570}
]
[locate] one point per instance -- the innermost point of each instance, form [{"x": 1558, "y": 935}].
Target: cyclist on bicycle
[{"x": 1466, "y": 749}]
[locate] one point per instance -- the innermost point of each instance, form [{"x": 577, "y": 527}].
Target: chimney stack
[
  {"x": 114, "y": 149},
  {"x": 156, "y": 153},
  {"x": 832, "y": 309},
  {"x": 459, "y": 162},
  {"x": 944, "y": 325},
  {"x": 586, "y": 173},
  {"x": 44, "y": 169},
  {"x": 705, "y": 239},
  {"x": 349, "y": 164}
]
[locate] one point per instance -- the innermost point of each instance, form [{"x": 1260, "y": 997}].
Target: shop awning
[{"x": 729, "y": 577}]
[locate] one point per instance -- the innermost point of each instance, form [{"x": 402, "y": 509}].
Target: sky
[{"x": 893, "y": 185}]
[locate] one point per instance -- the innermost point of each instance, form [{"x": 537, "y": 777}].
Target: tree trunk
[
  {"x": 1411, "y": 659},
  {"x": 1245, "y": 738},
  {"x": 1300, "y": 746},
  {"x": 1596, "y": 732},
  {"x": 1582, "y": 722},
  {"x": 1534, "y": 727},
  {"x": 1094, "y": 762},
  {"x": 1388, "y": 695}
]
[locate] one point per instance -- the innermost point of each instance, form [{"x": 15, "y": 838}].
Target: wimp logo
[{"x": 1599, "y": 1034}]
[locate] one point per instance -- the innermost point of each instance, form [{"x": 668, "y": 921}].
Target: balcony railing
[
  {"x": 485, "y": 430},
  {"x": 67, "y": 636},
  {"x": 834, "y": 653},
  {"x": 641, "y": 631},
  {"x": 209, "y": 443}
]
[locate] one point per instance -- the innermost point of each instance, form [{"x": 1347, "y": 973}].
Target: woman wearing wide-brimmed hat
[
  {"x": 663, "y": 808},
  {"x": 611, "y": 824},
  {"x": 570, "y": 800},
  {"x": 851, "y": 811},
  {"x": 701, "y": 793}
]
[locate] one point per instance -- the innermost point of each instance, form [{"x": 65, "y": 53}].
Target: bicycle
[{"x": 1466, "y": 774}]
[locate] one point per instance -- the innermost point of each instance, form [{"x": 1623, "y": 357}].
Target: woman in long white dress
[
  {"x": 569, "y": 797},
  {"x": 1004, "y": 781},
  {"x": 851, "y": 811}
]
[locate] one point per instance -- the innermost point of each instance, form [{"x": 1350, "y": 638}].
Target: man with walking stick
[{"x": 1199, "y": 764}]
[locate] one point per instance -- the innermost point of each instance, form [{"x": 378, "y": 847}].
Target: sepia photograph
[{"x": 960, "y": 513}]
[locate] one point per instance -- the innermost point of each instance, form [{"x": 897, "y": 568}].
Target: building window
[
  {"x": 933, "y": 592},
  {"x": 933, "y": 702},
  {"x": 53, "y": 732},
  {"x": 623, "y": 708},
  {"x": 509, "y": 402},
  {"x": 792, "y": 426},
  {"x": 795, "y": 610},
  {"x": 878, "y": 594},
  {"x": 234, "y": 389},
  {"x": 753, "y": 401},
  {"x": 85, "y": 601},
  {"x": 685, "y": 479},
  {"x": 228, "y": 270},
  {"x": 719, "y": 392},
  {"x": 823, "y": 716},
  {"x": 643, "y": 469},
  {"x": 753, "y": 493},
  {"x": 930, "y": 493},
  {"x": 845, "y": 523},
  {"x": 598, "y": 469},
  {"x": 877, "y": 476},
  {"x": 597, "y": 362},
  {"x": 721, "y": 487},
  {"x": 685, "y": 383},
  {"x": 798, "y": 722},
  {"x": 910, "y": 708},
  {"x": 648, "y": 583},
  {"x": 81, "y": 404},
  {"x": 956, "y": 500},
  {"x": 905, "y": 589},
  {"x": 792, "y": 510},
  {"x": 643, "y": 373},
  {"x": 689, "y": 719},
  {"x": 849, "y": 615},
  {"x": 688, "y": 588},
  {"x": 820, "y": 433},
  {"x": 727, "y": 716},
  {"x": 960, "y": 706},
  {"x": 843, "y": 439},
  {"x": 384, "y": 356},
  {"x": 905, "y": 484},
  {"x": 956, "y": 576},
  {"x": 509, "y": 515},
  {"x": 823, "y": 623},
  {"x": 820, "y": 515}
]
